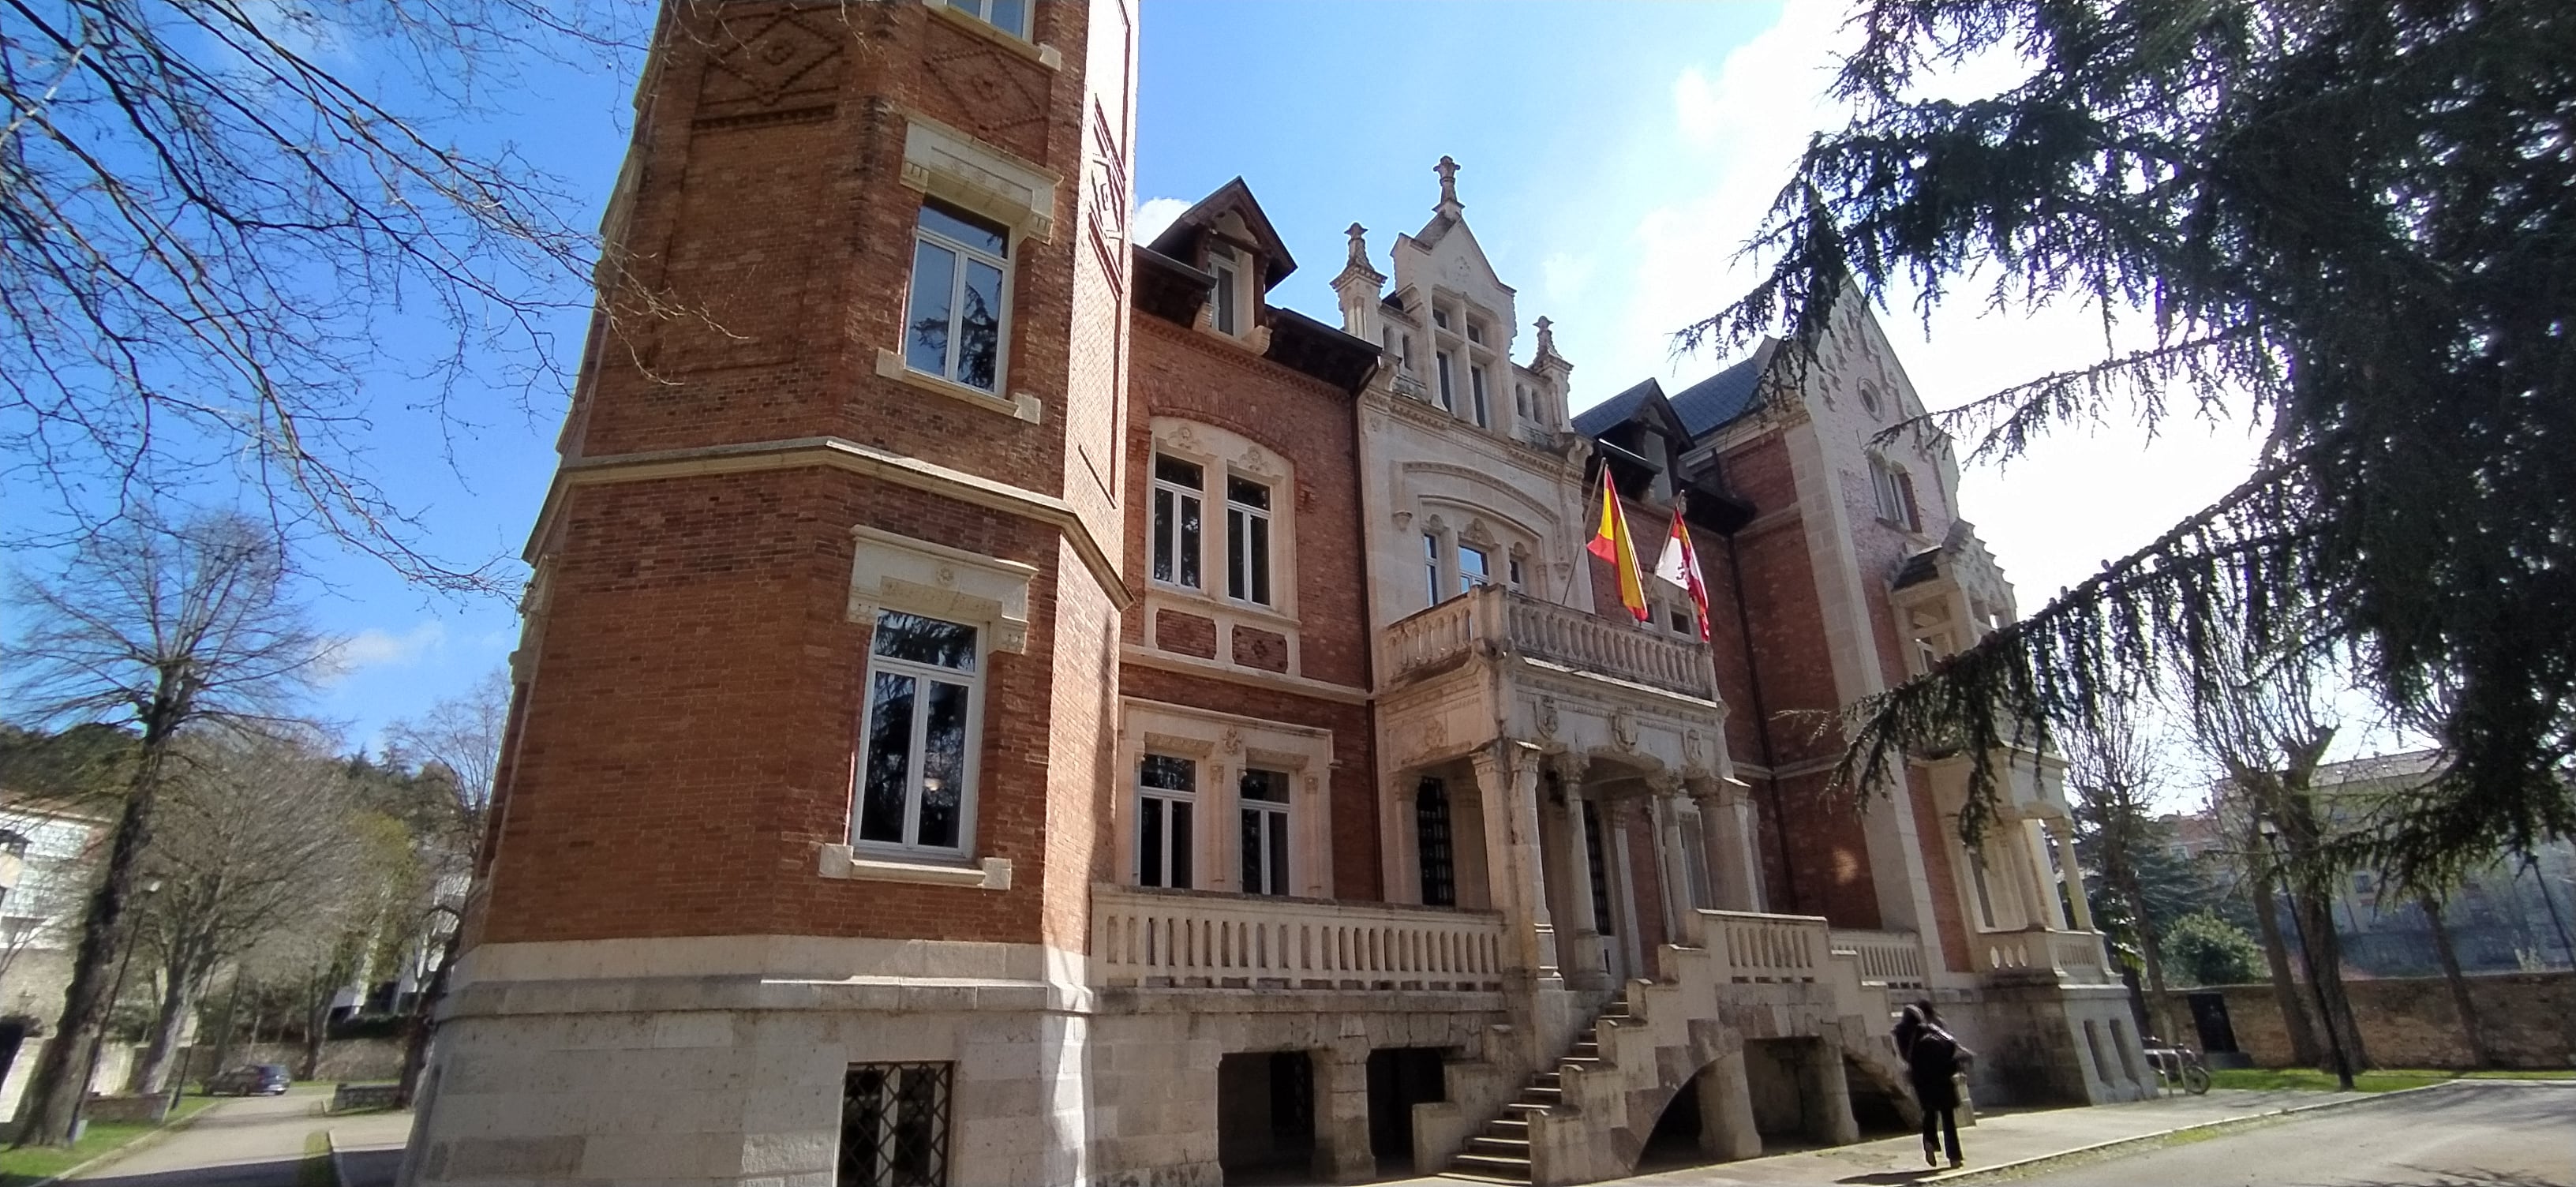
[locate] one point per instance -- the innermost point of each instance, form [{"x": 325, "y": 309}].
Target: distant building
[
  {"x": 54, "y": 850},
  {"x": 2507, "y": 915}
]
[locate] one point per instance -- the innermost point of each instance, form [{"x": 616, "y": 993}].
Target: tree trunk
[
  {"x": 317, "y": 1023},
  {"x": 2159, "y": 1004},
  {"x": 176, "y": 1001},
  {"x": 424, "y": 1021},
  {"x": 2305, "y": 1050},
  {"x": 2472, "y": 1028},
  {"x": 63, "y": 1071},
  {"x": 224, "y": 1032},
  {"x": 2324, "y": 957}
]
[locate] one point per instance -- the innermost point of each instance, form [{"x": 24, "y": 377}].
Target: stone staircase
[
  {"x": 1500, "y": 1153},
  {"x": 1743, "y": 977}
]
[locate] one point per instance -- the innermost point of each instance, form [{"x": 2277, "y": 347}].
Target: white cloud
[
  {"x": 1155, "y": 215},
  {"x": 375, "y": 647},
  {"x": 1565, "y": 274},
  {"x": 1697, "y": 113}
]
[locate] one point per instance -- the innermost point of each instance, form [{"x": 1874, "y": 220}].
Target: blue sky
[{"x": 1613, "y": 156}]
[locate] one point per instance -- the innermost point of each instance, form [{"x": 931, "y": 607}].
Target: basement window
[{"x": 894, "y": 1125}]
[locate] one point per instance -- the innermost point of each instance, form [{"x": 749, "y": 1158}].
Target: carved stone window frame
[
  {"x": 898, "y": 572},
  {"x": 1224, "y": 744}
]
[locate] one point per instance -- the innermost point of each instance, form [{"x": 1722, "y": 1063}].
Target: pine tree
[{"x": 2352, "y": 220}]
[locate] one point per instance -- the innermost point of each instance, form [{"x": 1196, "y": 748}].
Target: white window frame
[
  {"x": 956, "y": 297},
  {"x": 1272, "y": 818},
  {"x": 1169, "y": 796},
  {"x": 1167, "y": 534},
  {"x": 1224, "y": 746},
  {"x": 1484, "y": 572},
  {"x": 982, "y": 10},
  {"x": 922, "y": 674},
  {"x": 1226, "y": 305},
  {"x": 1240, "y": 521},
  {"x": 1431, "y": 568}
]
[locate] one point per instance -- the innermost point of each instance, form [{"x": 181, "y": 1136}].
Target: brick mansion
[{"x": 1001, "y": 702}]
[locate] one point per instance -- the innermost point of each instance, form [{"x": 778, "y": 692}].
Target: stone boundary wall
[{"x": 2530, "y": 1021}]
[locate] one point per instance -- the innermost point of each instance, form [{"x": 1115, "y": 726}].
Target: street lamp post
[
  {"x": 115, "y": 992},
  {"x": 2308, "y": 957}
]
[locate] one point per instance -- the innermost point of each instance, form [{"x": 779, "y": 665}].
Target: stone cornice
[{"x": 837, "y": 454}]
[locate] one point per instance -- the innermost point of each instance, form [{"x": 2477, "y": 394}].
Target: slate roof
[
  {"x": 1598, "y": 419},
  {"x": 1918, "y": 568},
  {"x": 1722, "y": 397}
]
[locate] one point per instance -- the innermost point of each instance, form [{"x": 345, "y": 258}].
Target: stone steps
[{"x": 1500, "y": 1152}]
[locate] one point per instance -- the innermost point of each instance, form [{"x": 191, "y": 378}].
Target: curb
[
  {"x": 339, "y": 1170},
  {"x": 138, "y": 1145},
  {"x": 1972, "y": 1174}
]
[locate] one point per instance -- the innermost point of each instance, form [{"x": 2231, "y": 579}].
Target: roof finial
[
  {"x": 1359, "y": 245},
  {"x": 1546, "y": 338},
  {"x": 1449, "y": 206}
]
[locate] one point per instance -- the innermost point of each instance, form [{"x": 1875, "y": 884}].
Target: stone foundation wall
[{"x": 2530, "y": 1021}]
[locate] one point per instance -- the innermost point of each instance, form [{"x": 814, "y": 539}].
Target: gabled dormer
[{"x": 1227, "y": 237}]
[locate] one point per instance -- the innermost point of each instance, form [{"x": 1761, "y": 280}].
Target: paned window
[
  {"x": 1519, "y": 578},
  {"x": 1472, "y": 570},
  {"x": 1263, "y": 796},
  {"x": 1228, "y": 268},
  {"x": 1178, "y": 490},
  {"x": 1407, "y": 357},
  {"x": 1440, "y": 362},
  {"x": 1694, "y": 832},
  {"x": 1009, "y": 16},
  {"x": 1475, "y": 333},
  {"x": 1521, "y": 401},
  {"x": 1440, "y": 317},
  {"x": 960, "y": 272},
  {"x": 1167, "y": 793},
  {"x": 1431, "y": 844},
  {"x": 1894, "y": 490},
  {"x": 1681, "y": 619},
  {"x": 1476, "y": 394},
  {"x": 1430, "y": 569},
  {"x": 894, "y": 1125},
  {"x": 916, "y": 769},
  {"x": 1247, "y": 540}
]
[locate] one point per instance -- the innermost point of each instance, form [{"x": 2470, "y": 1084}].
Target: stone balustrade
[
  {"x": 1189, "y": 939},
  {"x": 1503, "y": 620},
  {"x": 2076, "y": 956},
  {"x": 1752, "y": 947},
  {"x": 1890, "y": 958}
]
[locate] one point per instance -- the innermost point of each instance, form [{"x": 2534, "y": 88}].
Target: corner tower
[{"x": 789, "y": 868}]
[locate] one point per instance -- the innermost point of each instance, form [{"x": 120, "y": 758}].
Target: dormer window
[
  {"x": 1440, "y": 317},
  {"x": 1227, "y": 265},
  {"x": 1476, "y": 393},
  {"x": 1448, "y": 396},
  {"x": 1475, "y": 333}
]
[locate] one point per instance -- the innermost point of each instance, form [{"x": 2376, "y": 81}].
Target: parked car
[{"x": 257, "y": 1079}]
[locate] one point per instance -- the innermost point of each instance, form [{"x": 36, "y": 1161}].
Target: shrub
[{"x": 2203, "y": 949}]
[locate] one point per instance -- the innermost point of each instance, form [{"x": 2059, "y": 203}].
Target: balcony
[
  {"x": 1890, "y": 958},
  {"x": 2075, "y": 956},
  {"x": 1495, "y": 620},
  {"x": 1186, "y": 939}
]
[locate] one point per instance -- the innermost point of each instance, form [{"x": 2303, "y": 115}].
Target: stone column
[
  {"x": 1578, "y": 941},
  {"x": 1403, "y": 858},
  {"x": 1828, "y": 1095},
  {"x": 1680, "y": 923},
  {"x": 2034, "y": 850},
  {"x": 1616, "y": 813},
  {"x": 1726, "y": 827},
  {"x": 2062, "y": 830},
  {"x": 1726, "y": 1126},
  {"x": 1342, "y": 1150},
  {"x": 1507, "y": 783}
]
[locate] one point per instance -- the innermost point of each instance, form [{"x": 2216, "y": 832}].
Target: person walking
[{"x": 1933, "y": 1059}]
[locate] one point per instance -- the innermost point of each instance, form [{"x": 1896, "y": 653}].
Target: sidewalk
[
  {"x": 1999, "y": 1137},
  {"x": 369, "y": 1148}
]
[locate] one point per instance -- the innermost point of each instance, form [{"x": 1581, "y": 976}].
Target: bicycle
[{"x": 2180, "y": 1066}]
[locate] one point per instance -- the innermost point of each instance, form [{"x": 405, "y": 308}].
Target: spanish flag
[{"x": 1610, "y": 542}]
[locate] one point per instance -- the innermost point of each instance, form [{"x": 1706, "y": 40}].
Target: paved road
[
  {"x": 253, "y": 1142},
  {"x": 2465, "y": 1134}
]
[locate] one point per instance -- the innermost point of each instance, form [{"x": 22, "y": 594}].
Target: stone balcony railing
[
  {"x": 2075, "y": 956},
  {"x": 1187, "y": 939},
  {"x": 1757, "y": 948},
  {"x": 1890, "y": 958},
  {"x": 1498, "y": 620}
]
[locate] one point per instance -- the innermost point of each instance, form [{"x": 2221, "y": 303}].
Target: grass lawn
[
  {"x": 31, "y": 1165},
  {"x": 2389, "y": 1080}
]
